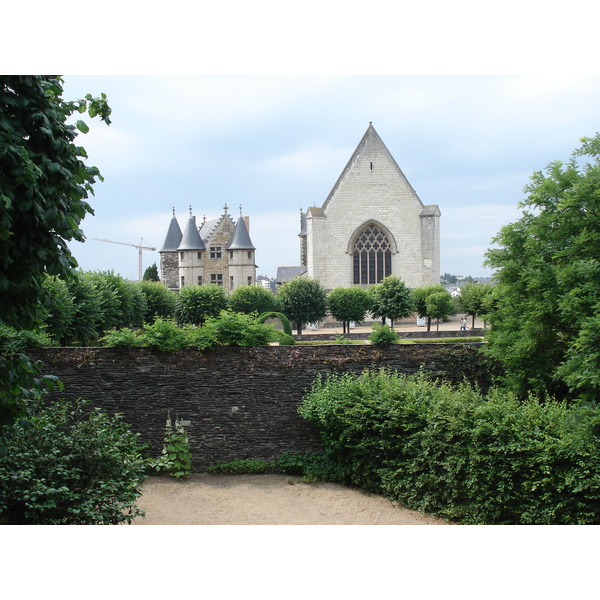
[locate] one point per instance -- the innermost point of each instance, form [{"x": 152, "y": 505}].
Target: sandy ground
[{"x": 266, "y": 500}]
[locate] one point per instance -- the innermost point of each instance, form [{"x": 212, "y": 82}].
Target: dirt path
[{"x": 266, "y": 500}]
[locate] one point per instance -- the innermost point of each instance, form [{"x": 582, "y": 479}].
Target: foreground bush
[
  {"x": 456, "y": 454},
  {"x": 70, "y": 465}
]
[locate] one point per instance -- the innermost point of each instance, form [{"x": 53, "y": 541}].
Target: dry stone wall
[{"x": 240, "y": 402}]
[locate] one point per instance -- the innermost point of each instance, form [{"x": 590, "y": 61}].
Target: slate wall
[{"x": 241, "y": 402}]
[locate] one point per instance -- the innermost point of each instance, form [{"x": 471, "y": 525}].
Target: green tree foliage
[
  {"x": 303, "y": 301},
  {"x": 420, "y": 295},
  {"x": 160, "y": 300},
  {"x": 348, "y": 304},
  {"x": 544, "y": 313},
  {"x": 439, "y": 305},
  {"x": 238, "y": 329},
  {"x": 151, "y": 273},
  {"x": 71, "y": 465},
  {"x": 391, "y": 299},
  {"x": 44, "y": 184},
  {"x": 196, "y": 303},
  {"x": 59, "y": 309},
  {"x": 473, "y": 299},
  {"x": 252, "y": 298},
  {"x": 450, "y": 451},
  {"x": 86, "y": 324}
]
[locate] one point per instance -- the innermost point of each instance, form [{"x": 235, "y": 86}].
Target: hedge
[{"x": 459, "y": 455}]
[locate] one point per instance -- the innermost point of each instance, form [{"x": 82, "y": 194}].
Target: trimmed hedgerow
[{"x": 457, "y": 454}]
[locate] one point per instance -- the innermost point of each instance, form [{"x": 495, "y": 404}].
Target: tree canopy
[
  {"x": 302, "y": 301},
  {"x": 348, "y": 304},
  {"x": 546, "y": 305},
  {"x": 391, "y": 299},
  {"x": 44, "y": 184}
]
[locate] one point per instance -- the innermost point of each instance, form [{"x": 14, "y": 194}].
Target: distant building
[
  {"x": 370, "y": 226},
  {"x": 219, "y": 251}
]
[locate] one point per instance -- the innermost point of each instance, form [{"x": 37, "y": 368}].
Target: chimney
[{"x": 247, "y": 221}]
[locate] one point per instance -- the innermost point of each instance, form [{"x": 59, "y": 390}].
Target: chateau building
[
  {"x": 371, "y": 225},
  {"x": 218, "y": 251}
]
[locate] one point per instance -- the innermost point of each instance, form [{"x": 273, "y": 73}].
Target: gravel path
[{"x": 266, "y": 500}]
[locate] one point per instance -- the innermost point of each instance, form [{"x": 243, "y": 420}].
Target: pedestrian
[{"x": 463, "y": 324}]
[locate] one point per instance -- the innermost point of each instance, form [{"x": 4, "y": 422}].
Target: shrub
[
  {"x": 383, "y": 335},
  {"x": 160, "y": 300},
  {"x": 285, "y": 322},
  {"x": 457, "y": 454},
  {"x": 176, "y": 455},
  {"x": 238, "y": 329},
  {"x": 196, "y": 303},
  {"x": 122, "y": 338},
  {"x": 164, "y": 335},
  {"x": 70, "y": 465}
]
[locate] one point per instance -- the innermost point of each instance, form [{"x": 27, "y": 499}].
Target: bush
[
  {"x": 164, "y": 335},
  {"x": 160, "y": 300},
  {"x": 285, "y": 322},
  {"x": 176, "y": 455},
  {"x": 457, "y": 454},
  {"x": 383, "y": 335},
  {"x": 122, "y": 338},
  {"x": 71, "y": 465}
]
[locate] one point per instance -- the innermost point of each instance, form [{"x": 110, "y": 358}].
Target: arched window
[{"x": 372, "y": 256}]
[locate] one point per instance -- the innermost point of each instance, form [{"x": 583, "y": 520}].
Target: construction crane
[{"x": 138, "y": 246}]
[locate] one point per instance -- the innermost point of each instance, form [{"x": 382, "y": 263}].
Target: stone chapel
[
  {"x": 218, "y": 251},
  {"x": 371, "y": 225}
]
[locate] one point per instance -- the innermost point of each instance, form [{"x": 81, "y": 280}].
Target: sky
[{"x": 275, "y": 144}]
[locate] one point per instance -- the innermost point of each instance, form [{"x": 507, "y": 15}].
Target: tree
[
  {"x": 196, "y": 303},
  {"x": 544, "y": 313},
  {"x": 303, "y": 301},
  {"x": 391, "y": 299},
  {"x": 439, "y": 305},
  {"x": 44, "y": 184},
  {"x": 348, "y": 304},
  {"x": 58, "y": 309},
  {"x": 252, "y": 298},
  {"x": 472, "y": 299},
  {"x": 151, "y": 273},
  {"x": 420, "y": 295},
  {"x": 160, "y": 300}
]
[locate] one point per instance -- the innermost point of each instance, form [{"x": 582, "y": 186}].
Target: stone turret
[
  {"x": 169, "y": 260},
  {"x": 242, "y": 267},
  {"x": 191, "y": 255}
]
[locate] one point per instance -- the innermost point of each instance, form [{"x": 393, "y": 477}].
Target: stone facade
[
  {"x": 371, "y": 225},
  {"x": 217, "y": 252}
]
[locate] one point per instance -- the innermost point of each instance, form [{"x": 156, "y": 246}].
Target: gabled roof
[
  {"x": 173, "y": 238},
  {"x": 191, "y": 239},
  {"x": 370, "y": 139},
  {"x": 240, "y": 240},
  {"x": 285, "y": 274}
]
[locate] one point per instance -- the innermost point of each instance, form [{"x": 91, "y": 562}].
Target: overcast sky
[{"x": 276, "y": 144}]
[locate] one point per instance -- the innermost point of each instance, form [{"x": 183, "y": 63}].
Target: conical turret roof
[
  {"x": 241, "y": 238},
  {"x": 191, "y": 239},
  {"x": 173, "y": 237}
]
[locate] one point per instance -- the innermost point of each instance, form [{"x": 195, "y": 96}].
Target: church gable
[
  {"x": 372, "y": 224},
  {"x": 372, "y": 175}
]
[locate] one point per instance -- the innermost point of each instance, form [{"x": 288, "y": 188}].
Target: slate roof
[
  {"x": 191, "y": 239},
  {"x": 240, "y": 240},
  {"x": 285, "y": 274},
  {"x": 173, "y": 237}
]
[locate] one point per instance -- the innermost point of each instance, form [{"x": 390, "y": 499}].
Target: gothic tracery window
[{"x": 372, "y": 256}]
